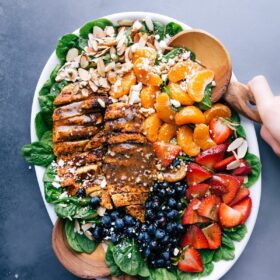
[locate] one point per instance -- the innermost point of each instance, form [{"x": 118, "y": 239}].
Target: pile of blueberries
[{"x": 161, "y": 233}]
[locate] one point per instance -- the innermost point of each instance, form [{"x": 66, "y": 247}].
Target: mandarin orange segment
[
  {"x": 164, "y": 109},
  {"x": 189, "y": 114},
  {"x": 185, "y": 140},
  {"x": 143, "y": 71},
  {"x": 217, "y": 110},
  {"x": 127, "y": 81},
  {"x": 151, "y": 127},
  {"x": 147, "y": 96},
  {"x": 202, "y": 137},
  {"x": 180, "y": 70},
  {"x": 179, "y": 94},
  {"x": 166, "y": 132},
  {"x": 146, "y": 52},
  {"x": 198, "y": 82}
]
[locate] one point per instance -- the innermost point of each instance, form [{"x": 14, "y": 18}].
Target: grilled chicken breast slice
[
  {"x": 137, "y": 211},
  {"x": 121, "y": 110},
  {"x": 98, "y": 140},
  {"x": 122, "y": 125},
  {"x": 89, "y": 119},
  {"x": 116, "y": 138},
  {"x": 69, "y": 147},
  {"x": 125, "y": 199}
]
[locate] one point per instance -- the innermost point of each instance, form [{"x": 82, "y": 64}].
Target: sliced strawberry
[
  {"x": 209, "y": 207},
  {"x": 197, "y": 191},
  {"x": 194, "y": 237},
  {"x": 240, "y": 179},
  {"x": 191, "y": 216},
  {"x": 232, "y": 186},
  {"x": 242, "y": 193},
  {"x": 243, "y": 169},
  {"x": 244, "y": 208},
  {"x": 190, "y": 261},
  {"x": 228, "y": 216},
  {"x": 220, "y": 132},
  {"x": 211, "y": 156},
  {"x": 197, "y": 174},
  {"x": 222, "y": 165},
  {"x": 166, "y": 153},
  {"x": 213, "y": 234},
  {"x": 217, "y": 186}
]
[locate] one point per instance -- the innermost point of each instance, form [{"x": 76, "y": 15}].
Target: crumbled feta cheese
[
  {"x": 129, "y": 256},
  {"x": 176, "y": 251},
  {"x": 134, "y": 96},
  {"x": 175, "y": 103},
  {"x": 56, "y": 185}
]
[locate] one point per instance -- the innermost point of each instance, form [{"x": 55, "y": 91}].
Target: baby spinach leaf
[
  {"x": 226, "y": 251},
  {"x": 256, "y": 167},
  {"x": 40, "y": 125},
  {"x": 54, "y": 73},
  {"x": 128, "y": 258},
  {"x": 85, "y": 213},
  {"x": 64, "y": 210},
  {"x": 236, "y": 233},
  {"x": 206, "y": 255},
  {"x": 162, "y": 273},
  {"x": 38, "y": 153},
  {"x": 64, "y": 44},
  {"x": 172, "y": 29},
  {"x": 206, "y": 102},
  {"x": 159, "y": 29},
  {"x": 170, "y": 55},
  {"x": 208, "y": 268},
  {"x": 47, "y": 138},
  {"x": 114, "y": 269},
  {"x": 239, "y": 128},
  {"x": 88, "y": 27},
  {"x": 78, "y": 242},
  {"x": 71, "y": 236}
]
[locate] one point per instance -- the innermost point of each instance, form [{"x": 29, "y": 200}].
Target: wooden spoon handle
[{"x": 240, "y": 97}]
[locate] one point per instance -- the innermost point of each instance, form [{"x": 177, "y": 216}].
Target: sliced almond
[
  {"x": 77, "y": 227},
  {"x": 101, "y": 67},
  {"x": 84, "y": 61},
  {"x": 98, "y": 32},
  {"x": 93, "y": 86},
  {"x": 137, "y": 25},
  {"x": 86, "y": 226},
  {"x": 233, "y": 165},
  {"x": 72, "y": 54},
  {"x": 88, "y": 235},
  {"x": 242, "y": 150},
  {"x": 125, "y": 22},
  {"x": 149, "y": 23},
  {"x": 110, "y": 31},
  {"x": 84, "y": 74},
  {"x": 101, "y": 211},
  {"x": 110, "y": 66},
  {"x": 235, "y": 144}
]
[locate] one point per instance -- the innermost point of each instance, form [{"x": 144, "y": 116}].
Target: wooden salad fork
[{"x": 212, "y": 54}]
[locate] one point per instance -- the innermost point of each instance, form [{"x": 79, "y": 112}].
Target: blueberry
[
  {"x": 81, "y": 192},
  {"x": 161, "y": 222},
  {"x": 147, "y": 252},
  {"x": 114, "y": 215},
  {"x": 160, "y": 214},
  {"x": 106, "y": 221},
  {"x": 144, "y": 227},
  {"x": 171, "y": 227},
  {"x": 97, "y": 232},
  {"x": 149, "y": 214},
  {"x": 172, "y": 203},
  {"x": 159, "y": 263},
  {"x": 119, "y": 224},
  {"x": 141, "y": 236},
  {"x": 177, "y": 184},
  {"x": 180, "y": 191},
  {"x": 180, "y": 206},
  {"x": 172, "y": 215},
  {"x": 155, "y": 205},
  {"x": 168, "y": 264},
  {"x": 180, "y": 228},
  {"x": 128, "y": 220},
  {"x": 165, "y": 185},
  {"x": 148, "y": 204},
  {"x": 95, "y": 201},
  {"x": 173, "y": 241},
  {"x": 156, "y": 186},
  {"x": 162, "y": 193},
  {"x": 115, "y": 238},
  {"x": 176, "y": 162},
  {"x": 160, "y": 234},
  {"x": 165, "y": 255},
  {"x": 130, "y": 232},
  {"x": 171, "y": 191},
  {"x": 146, "y": 237},
  {"x": 165, "y": 240},
  {"x": 137, "y": 225},
  {"x": 153, "y": 245},
  {"x": 151, "y": 229}
]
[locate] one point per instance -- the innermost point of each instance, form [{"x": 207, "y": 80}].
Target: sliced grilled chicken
[
  {"x": 66, "y": 133},
  {"x": 98, "y": 140},
  {"x": 116, "y": 138},
  {"x": 69, "y": 147},
  {"x": 72, "y": 93},
  {"x": 115, "y": 189},
  {"x": 131, "y": 148},
  {"x": 89, "y": 119},
  {"x": 122, "y": 125},
  {"x": 125, "y": 199},
  {"x": 121, "y": 110},
  {"x": 105, "y": 198},
  {"x": 137, "y": 211}
]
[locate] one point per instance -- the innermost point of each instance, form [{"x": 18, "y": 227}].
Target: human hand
[{"x": 269, "y": 109}]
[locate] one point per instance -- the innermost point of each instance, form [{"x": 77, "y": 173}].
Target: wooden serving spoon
[
  {"x": 212, "y": 54},
  {"x": 86, "y": 266}
]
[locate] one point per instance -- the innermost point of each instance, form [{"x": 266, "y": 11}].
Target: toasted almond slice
[
  {"x": 125, "y": 22},
  {"x": 72, "y": 54},
  {"x": 235, "y": 144},
  {"x": 88, "y": 235},
  {"x": 84, "y": 74},
  {"x": 233, "y": 165},
  {"x": 77, "y": 227},
  {"x": 101, "y": 211},
  {"x": 242, "y": 150},
  {"x": 110, "y": 31},
  {"x": 84, "y": 61},
  {"x": 86, "y": 226},
  {"x": 98, "y": 32},
  {"x": 149, "y": 23},
  {"x": 101, "y": 67}
]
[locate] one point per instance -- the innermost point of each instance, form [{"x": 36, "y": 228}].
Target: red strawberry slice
[
  {"x": 166, "y": 153},
  {"x": 190, "y": 261},
  {"x": 232, "y": 186},
  {"x": 211, "y": 156},
  {"x": 209, "y": 207},
  {"x": 244, "y": 168},
  {"x": 222, "y": 165},
  {"x": 217, "y": 186},
  {"x": 197, "y": 174},
  {"x": 213, "y": 234},
  {"x": 228, "y": 216},
  {"x": 197, "y": 191},
  {"x": 191, "y": 216},
  {"x": 220, "y": 132},
  {"x": 244, "y": 208},
  {"x": 240, "y": 179},
  {"x": 194, "y": 237},
  {"x": 242, "y": 193}
]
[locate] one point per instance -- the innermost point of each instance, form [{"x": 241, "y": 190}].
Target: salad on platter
[{"x": 137, "y": 155}]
